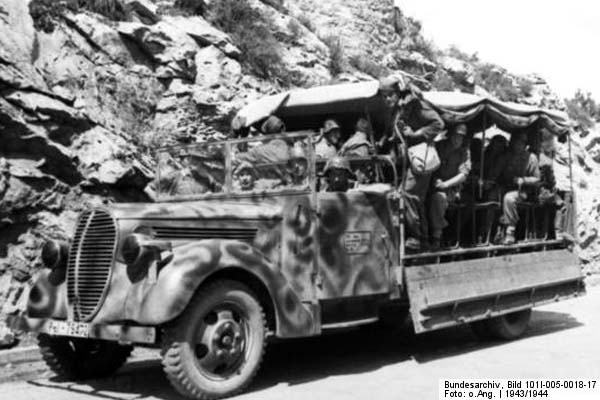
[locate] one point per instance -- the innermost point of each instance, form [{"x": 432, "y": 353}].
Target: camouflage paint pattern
[
  {"x": 357, "y": 243},
  {"x": 284, "y": 255}
]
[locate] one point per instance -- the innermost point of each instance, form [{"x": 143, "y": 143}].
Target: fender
[{"x": 159, "y": 299}]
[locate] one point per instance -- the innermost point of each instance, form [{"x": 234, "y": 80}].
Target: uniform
[{"x": 453, "y": 163}]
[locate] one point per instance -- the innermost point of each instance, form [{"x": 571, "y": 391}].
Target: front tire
[
  {"x": 75, "y": 358},
  {"x": 215, "y": 347}
]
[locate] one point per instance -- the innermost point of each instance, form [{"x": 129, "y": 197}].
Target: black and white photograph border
[{"x": 266, "y": 199}]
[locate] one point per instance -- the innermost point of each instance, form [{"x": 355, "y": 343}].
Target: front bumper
[{"x": 112, "y": 332}]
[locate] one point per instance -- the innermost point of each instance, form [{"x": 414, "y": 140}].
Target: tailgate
[{"x": 442, "y": 295}]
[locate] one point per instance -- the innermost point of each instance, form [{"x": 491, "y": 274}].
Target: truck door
[{"x": 355, "y": 246}]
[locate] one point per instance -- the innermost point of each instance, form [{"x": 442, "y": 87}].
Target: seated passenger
[
  {"x": 358, "y": 145},
  {"x": 192, "y": 179},
  {"x": 338, "y": 173},
  {"x": 326, "y": 145},
  {"x": 245, "y": 177},
  {"x": 492, "y": 164},
  {"x": 297, "y": 167},
  {"x": 548, "y": 195},
  {"x": 519, "y": 175},
  {"x": 272, "y": 126},
  {"x": 454, "y": 169}
]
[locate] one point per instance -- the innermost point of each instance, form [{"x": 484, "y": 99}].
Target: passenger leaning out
[
  {"x": 447, "y": 180},
  {"x": 414, "y": 123},
  {"x": 517, "y": 182}
]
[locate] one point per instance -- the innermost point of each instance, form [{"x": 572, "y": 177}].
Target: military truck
[{"x": 243, "y": 245}]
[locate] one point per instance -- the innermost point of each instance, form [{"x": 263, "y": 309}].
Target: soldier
[
  {"x": 412, "y": 121},
  {"x": 23, "y": 264},
  {"x": 327, "y": 145},
  {"x": 272, "y": 126},
  {"x": 297, "y": 167},
  {"x": 246, "y": 176},
  {"x": 358, "y": 145},
  {"x": 520, "y": 174},
  {"x": 338, "y": 174},
  {"x": 191, "y": 179},
  {"x": 455, "y": 168}
]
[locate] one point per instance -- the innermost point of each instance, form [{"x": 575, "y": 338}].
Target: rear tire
[
  {"x": 215, "y": 347},
  {"x": 505, "y": 327},
  {"x": 75, "y": 358}
]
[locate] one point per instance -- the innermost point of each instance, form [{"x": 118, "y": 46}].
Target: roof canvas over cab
[{"x": 478, "y": 112}]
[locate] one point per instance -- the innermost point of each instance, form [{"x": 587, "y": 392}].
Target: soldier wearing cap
[
  {"x": 327, "y": 145},
  {"x": 23, "y": 264},
  {"x": 455, "y": 168},
  {"x": 411, "y": 121},
  {"x": 338, "y": 174}
]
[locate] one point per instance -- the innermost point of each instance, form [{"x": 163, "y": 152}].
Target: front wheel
[{"x": 215, "y": 347}]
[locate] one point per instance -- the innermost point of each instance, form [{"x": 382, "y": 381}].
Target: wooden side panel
[{"x": 443, "y": 295}]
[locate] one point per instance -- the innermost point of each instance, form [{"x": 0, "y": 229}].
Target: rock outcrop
[{"x": 84, "y": 103}]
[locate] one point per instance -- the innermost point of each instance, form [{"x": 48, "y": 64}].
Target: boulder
[
  {"x": 144, "y": 10},
  {"x": 205, "y": 34},
  {"x": 107, "y": 159},
  {"x": 168, "y": 45},
  {"x": 462, "y": 72},
  {"x": 215, "y": 69}
]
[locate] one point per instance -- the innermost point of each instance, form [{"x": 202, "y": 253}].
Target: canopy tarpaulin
[
  {"x": 457, "y": 107},
  {"x": 478, "y": 112}
]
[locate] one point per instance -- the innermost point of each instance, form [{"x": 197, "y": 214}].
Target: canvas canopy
[{"x": 308, "y": 108}]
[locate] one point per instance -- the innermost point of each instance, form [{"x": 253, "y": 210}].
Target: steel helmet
[
  {"x": 297, "y": 152},
  {"x": 337, "y": 162},
  {"x": 330, "y": 125}
]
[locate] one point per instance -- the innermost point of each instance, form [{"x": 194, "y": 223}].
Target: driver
[
  {"x": 297, "y": 166},
  {"x": 246, "y": 176},
  {"x": 338, "y": 174}
]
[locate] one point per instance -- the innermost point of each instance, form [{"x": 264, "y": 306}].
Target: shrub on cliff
[
  {"x": 251, "y": 31},
  {"x": 45, "y": 13},
  {"x": 583, "y": 109}
]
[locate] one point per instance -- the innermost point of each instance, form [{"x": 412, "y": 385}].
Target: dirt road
[{"x": 562, "y": 342}]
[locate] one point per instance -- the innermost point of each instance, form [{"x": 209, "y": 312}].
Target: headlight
[
  {"x": 132, "y": 248},
  {"x": 54, "y": 254},
  {"x": 140, "y": 248}
]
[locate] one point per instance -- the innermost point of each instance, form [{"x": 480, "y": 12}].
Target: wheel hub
[{"x": 224, "y": 341}]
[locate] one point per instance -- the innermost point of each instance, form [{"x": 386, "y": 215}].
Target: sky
[{"x": 560, "y": 40}]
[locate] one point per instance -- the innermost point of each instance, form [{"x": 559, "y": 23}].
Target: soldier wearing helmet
[
  {"x": 246, "y": 176},
  {"x": 297, "y": 166},
  {"x": 327, "y": 145},
  {"x": 338, "y": 174}
]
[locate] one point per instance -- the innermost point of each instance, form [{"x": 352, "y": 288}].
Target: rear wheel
[
  {"x": 504, "y": 327},
  {"x": 75, "y": 358},
  {"x": 215, "y": 347}
]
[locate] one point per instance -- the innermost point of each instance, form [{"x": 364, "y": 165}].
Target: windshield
[{"x": 247, "y": 166}]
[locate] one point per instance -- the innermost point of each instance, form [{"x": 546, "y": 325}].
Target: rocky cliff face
[{"x": 88, "y": 90}]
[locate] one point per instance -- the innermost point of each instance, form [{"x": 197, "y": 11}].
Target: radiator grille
[
  {"x": 90, "y": 261},
  {"x": 198, "y": 233}
]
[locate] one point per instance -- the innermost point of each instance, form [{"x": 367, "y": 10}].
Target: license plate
[{"x": 68, "y": 328}]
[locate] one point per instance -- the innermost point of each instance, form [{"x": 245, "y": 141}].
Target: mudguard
[{"x": 160, "y": 296}]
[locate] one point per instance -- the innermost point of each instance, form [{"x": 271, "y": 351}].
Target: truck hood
[{"x": 198, "y": 210}]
